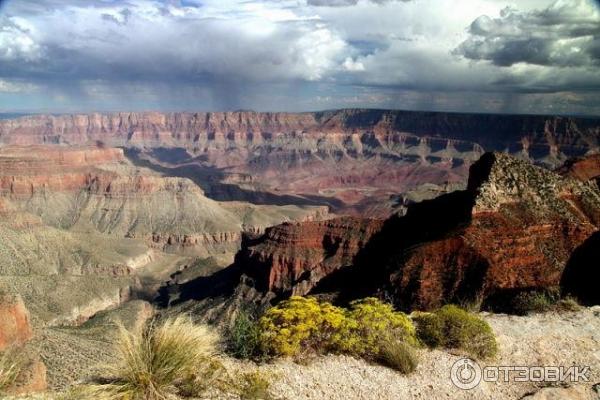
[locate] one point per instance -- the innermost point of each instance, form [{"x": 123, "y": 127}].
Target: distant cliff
[{"x": 536, "y": 135}]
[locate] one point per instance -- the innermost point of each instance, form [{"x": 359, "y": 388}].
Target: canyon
[
  {"x": 209, "y": 213},
  {"x": 356, "y": 161},
  {"x": 516, "y": 228}
]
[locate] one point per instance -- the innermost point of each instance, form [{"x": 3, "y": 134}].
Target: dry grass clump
[
  {"x": 398, "y": 355},
  {"x": 161, "y": 360},
  {"x": 10, "y": 367}
]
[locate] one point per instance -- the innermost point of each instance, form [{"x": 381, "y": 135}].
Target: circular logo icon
[{"x": 465, "y": 374}]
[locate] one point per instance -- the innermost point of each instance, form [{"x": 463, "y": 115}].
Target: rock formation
[
  {"x": 15, "y": 332},
  {"x": 15, "y": 325},
  {"x": 352, "y": 160},
  {"x": 81, "y": 225},
  {"x": 291, "y": 258},
  {"x": 514, "y": 229}
]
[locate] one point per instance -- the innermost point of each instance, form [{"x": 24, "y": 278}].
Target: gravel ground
[{"x": 543, "y": 339}]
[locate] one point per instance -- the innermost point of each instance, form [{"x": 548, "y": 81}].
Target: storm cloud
[
  {"x": 565, "y": 34},
  {"x": 481, "y": 55}
]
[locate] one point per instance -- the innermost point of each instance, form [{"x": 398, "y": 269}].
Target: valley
[{"x": 125, "y": 216}]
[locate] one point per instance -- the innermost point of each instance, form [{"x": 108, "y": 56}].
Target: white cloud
[
  {"x": 16, "y": 87},
  {"x": 246, "y": 52}
]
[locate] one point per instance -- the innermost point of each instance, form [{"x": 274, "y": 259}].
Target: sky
[{"x": 499, "y": 56}]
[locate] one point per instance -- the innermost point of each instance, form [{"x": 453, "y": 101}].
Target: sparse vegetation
[
  {"x": 454, "y": 328},
  {"x": 253, "y": 385},
  {"x": 398, "y": 355},
  {"x": 162, "y": 359},
  {"x": 533, "y": 301},
  {"x": 10, "y": 367},
  {"x": 243, "y": 337},
  {"x": 537, "y": 301}
]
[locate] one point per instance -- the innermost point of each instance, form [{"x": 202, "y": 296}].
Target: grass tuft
[
  {"x": 398, "y": 355},
  {"x": 156, "y": 360},
  {"x": 10, "y": 367}
]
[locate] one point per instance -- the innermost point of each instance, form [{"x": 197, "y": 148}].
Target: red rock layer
[
  {"x": 24, "y": 170},
  {"x": 15, "y": 327},
  {"x": 514, "y": 229},
  {"x": 584, "y": 169},
  {"x": 292, "y": 257}
]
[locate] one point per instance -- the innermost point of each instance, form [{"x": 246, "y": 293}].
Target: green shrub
[
  {"x": 453, "y": 327},
  {"x": 372, "y": 322},
  {"x": 154, "y": 362},
  {"x": 244, "y": 336},
  {"x": 253, "y": 386},
  {"x": 301, "y": 324},
  {"x": 533, "y": 301},
  {"x": 398, "y": 355},
  {"x": 430, "y": 329}
]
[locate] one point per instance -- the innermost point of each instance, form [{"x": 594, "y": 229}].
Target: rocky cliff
[
  {"x": 351, "y": 160},
  {"x": 293, "y": 257},
  {"x": 514, "y": 229}
]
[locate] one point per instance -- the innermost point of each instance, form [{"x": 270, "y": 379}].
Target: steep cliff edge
[{"x": 514, "y": 229}]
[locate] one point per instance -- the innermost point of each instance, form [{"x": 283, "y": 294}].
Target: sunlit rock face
[
  {"x": 363, "y": 162},
  {"x": 516, "y": 228}
]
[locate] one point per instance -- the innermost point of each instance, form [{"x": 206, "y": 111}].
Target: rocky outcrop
[
  {"x": 517, "y": 226},
  {"x": 514, "y": 229},
  {"x": 15, "y": 325},
  {"x": 15, "y": 331},
  {"x": 293, "y": 257}
]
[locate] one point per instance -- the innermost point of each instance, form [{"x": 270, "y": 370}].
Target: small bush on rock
[{"x": 453, "y": 327}]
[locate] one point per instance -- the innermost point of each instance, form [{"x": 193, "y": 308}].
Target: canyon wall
[
  {"x": 357, "y": 127},
  {"x": 354, "y": 161},
  {"x": 515, "y": 228}
]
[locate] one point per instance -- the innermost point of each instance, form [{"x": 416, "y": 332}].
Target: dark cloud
[
  {"x": 283, "y": 55},
  {"x": 565, "y": 34}
]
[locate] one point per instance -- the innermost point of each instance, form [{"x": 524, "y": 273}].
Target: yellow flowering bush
[
  {"x": 372, "y": 322},
  {"x": 301, "y": 324},
  {"x": 306, "y": 325}
]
